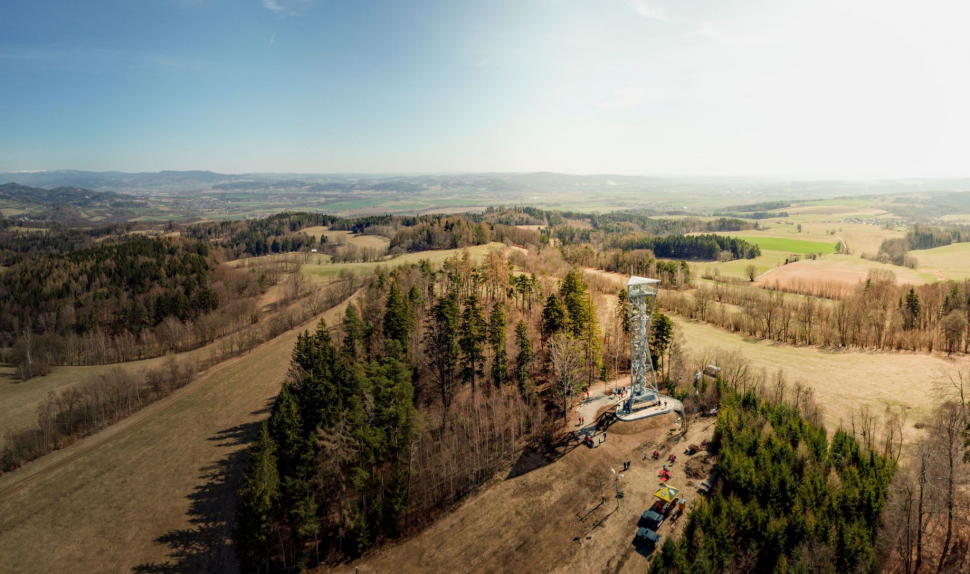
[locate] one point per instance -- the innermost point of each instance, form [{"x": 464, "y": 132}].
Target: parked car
[
  {"x": 650, "y": 519},
  {"x": 647, "y": 538}
]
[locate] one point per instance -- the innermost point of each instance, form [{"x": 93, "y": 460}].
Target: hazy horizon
[{"x": 753, "y": 89}]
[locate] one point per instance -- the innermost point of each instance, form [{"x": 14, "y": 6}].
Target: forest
[
  {"x": 435, "y": 378},
  {"x": 707, "y": 247},
  {"x": 789, "y": 499}
]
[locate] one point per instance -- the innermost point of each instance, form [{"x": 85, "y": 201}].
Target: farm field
[
  {"x": 843, "y": 381},
  {"x": 19, "y": 399},
  {"x": 325, "y": 270},
  {"x": 842, "y": 268},
  {"x": 787, "y": 245},
  {"x": 342, "y": 236},
  {"x": 949, "y": 261},
  {"x": 767, "y": 261},
  {"x": 152, "y": 493}
]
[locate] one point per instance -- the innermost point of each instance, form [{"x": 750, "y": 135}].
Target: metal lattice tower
[{"x": 642, "y": 294}]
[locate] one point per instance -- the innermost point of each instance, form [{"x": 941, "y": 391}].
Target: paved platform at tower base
[{"x": 666, "y": 405}]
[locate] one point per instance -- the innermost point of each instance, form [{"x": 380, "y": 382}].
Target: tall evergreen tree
[
  {"x": 286, "y": 429},
  {"x": 661, "y": 337},
  {"x": 398, "y": 317},
  {"x": 258, "y": 504},
  {"x": 555, "y": 317},
  {"x": 575, "y": 296},
  {"x": 913, "y": 309},
  {"x": 441, "y": 344},
  {"x": 472, "y": 341},
  {"x": 353, "y": 332}
]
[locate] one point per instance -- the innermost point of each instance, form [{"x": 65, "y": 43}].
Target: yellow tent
[{"x": 667, "y": 493}]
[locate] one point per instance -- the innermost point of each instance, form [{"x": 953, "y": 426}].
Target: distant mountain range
[
  {"x": 202, "y": 180},
  {"x": 61, "y": 195},
  {"x": 177, "y": 182}
]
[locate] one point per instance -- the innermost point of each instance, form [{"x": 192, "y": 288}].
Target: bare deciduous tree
[{"x": 566, "y": 356}]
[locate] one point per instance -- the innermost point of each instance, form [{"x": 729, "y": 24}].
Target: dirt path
[{"x": 154, "y": 493}]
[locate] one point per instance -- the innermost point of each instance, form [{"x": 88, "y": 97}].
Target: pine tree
[
  {"x": 286, "y": 430},
  {"x": 574, "y": 295},
  {"x": 555, "y": 318},
  {"x": 661, "y": 336},
  {"x": 398, "y": 318},
  {"x": 472, "y": 340},
  {"x": 913, "y": 309},
  {"x": 441, "y": 344},
  {"x": 496, "y": 339},
  {"x": 257, "y": 508},
  {"x": 353, "y": 332}
]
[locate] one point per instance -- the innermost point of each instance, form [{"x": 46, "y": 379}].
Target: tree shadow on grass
[
  {"x": 531, "y": 459},
  {"x": 206, "y": 546}
]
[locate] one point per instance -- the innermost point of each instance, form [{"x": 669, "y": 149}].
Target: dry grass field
[
  {"x": 346, "y": 237},
  {"x": 19, "y": 399},
  {"x": 842, "y": 268},
  {"x": 152, "y": 493},
  {"x": 325, "y": 269},
  {"x": 843, "y": 381}
]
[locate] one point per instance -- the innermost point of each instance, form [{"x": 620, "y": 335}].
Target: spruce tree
[
  {"x": 257, "y": 509},
  {"x": 661, "y": 336},
  {"x": 555, "y": 318},
  {"x": 353, "y": 332},
  {"x": 441, "y": 343},
  {"x": 398, "y": 318},
  {"x": 472, "y": 340},
  {"x": 496, "y": 339},
  {"x": 286, "y": 429}
]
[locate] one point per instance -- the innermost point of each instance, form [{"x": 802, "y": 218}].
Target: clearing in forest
[{"x": 556, "y": 512}]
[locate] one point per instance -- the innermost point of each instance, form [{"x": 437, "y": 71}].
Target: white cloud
[
  {"x": 646, "y": 10},
  {"x": 286, "y": 7},
  {"x": 633, "y": 97}
]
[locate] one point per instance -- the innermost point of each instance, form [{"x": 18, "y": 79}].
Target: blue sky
[{"x": 822, "y": 88}]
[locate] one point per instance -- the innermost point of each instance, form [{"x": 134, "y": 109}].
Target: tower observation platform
[{"x": 644, "y": 398}]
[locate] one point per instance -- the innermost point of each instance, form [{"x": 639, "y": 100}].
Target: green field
[
  {"x": 789, "y": 245},
  {"x": 949, "y": 261}
]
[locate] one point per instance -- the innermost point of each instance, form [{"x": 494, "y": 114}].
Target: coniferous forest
[
  {"x": 790, "y": 499},
  {"x": 424, "y": 390}
]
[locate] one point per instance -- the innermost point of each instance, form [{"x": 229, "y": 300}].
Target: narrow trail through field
[{"x": 153, "y": 493}]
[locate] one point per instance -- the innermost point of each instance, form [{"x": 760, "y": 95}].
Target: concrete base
[{"x": 672, "y": 405}]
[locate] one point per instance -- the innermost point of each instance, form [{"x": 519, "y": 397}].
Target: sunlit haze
[{"x": 859, "y": 89}]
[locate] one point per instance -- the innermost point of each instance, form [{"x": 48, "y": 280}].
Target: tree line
[
  {"x": 878, "y": 315},
  {"x": 707, "y": 247},
  {"x": 116, "y": 393}
]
